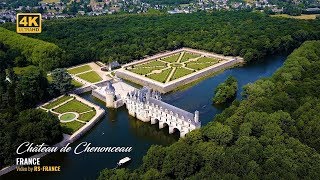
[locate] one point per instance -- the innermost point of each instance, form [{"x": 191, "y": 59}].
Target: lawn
[
  {"x": 152, "y": 64},
  {"x": 21, "y": 70},
  {"x": 87, "y": 116},
  {"x": 76, "y": 83},
  {"x": 188, "y": 56},
  {"x": 207, "y": 59},
  {"x": 143, "y": 71},
  {"x": 91, "y": 76},
  {"x": 71, "y": 127},
  {"x": 161, "y": 77},
  {"x": 73, "y": 106},
  {"x": 303, "y": 16},
  {"x": 79, "y": 69},
  {"x": 198, "y": 66},
  {"x": 172, "y": 58},
  {"x": 180, "y": 72},
  {"x": 57, "y": 102}
]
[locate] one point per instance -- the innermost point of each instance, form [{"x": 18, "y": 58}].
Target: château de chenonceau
[{"x": 146, "y": 105}]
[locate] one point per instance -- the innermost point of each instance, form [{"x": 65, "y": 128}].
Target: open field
[
  {"x": 303, "y": 16},
  {"x": 73, "y": 106},
  {"x": 57, "y": 102},
  {"x": 71, "y": 127},
  {"x": 91, "y": 76},
  {"x": 79, "y": 69}
]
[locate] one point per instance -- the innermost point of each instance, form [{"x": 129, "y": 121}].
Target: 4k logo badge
[{"x": 29, "y": 23}]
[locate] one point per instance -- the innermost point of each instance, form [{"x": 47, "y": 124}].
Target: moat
[{"x": 117, "y": 128}]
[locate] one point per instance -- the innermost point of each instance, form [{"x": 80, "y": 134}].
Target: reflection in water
[{"x": 147, "y": 131}]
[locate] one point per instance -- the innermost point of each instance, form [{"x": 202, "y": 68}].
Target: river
[{"x": 117, "y": 128}]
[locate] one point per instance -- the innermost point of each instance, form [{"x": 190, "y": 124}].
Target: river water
[{"x": 117, "y": 128}]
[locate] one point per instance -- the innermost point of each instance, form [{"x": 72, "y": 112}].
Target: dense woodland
[
  {"x": 19, "y": 51},
  {"x": 226, "y": 91},
  {"x": 129, "y": 37},
  {"x": 20, "y": 93},
  {"x": 272, "y": 134},
  {"x": 19, "y": 121}
]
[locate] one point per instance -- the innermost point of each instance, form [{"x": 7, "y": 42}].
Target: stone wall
[{"x": 167, "y": 87}]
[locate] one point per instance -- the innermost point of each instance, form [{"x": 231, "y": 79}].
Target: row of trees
[
  {"x": 272, "y": 134},
  {"x": 128, "y": 37},
  {"x": 226, "y": 91},
  {"x": 24, "y": 50}
]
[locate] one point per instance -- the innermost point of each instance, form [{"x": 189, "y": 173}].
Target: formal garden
[
  {"x": 173, "y": 67},
  {"x": 72, "y": 113}
]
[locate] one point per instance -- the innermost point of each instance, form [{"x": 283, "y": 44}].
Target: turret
[
  {"x": 110, "y": 95},
  {"x": 196, "y": 116}
]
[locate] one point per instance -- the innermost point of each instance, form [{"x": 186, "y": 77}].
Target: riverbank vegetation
[
  {"x": 226, "y": 91},
  {"x": 272, "y": 134}
]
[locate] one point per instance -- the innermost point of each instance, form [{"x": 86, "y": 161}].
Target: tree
[
  {"x": 61, "y": 81},
  {"x": 226, "y": 91}
]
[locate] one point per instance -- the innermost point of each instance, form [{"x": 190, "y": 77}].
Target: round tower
[
  {"x": 110, "y": 95},
  {"x": 196, "y": 116}
]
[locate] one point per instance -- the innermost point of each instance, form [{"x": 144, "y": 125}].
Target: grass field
[
  {"x": 91, "y": 76},
  {"x": 161, "y": 77},
  {"x": 71, "y": 127},
  {"x": 180, "y": 72},
  {"x": 87, "y": 116},
  {"x": 171, "y": 59},
  {"x": 57, "y": 102},
  {"x": 73, "y": 106},
  {"x": 303, "y": 16},
  {"x": 188, "y": 56},
  {"x": 79, "y": 69}
]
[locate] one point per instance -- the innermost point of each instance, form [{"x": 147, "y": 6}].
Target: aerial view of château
[{"x": 159, "y": 89}]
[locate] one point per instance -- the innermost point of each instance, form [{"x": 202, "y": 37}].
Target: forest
[
  {"x": 19, "y": 121},
  {"x": 273, "y": 133},
  {"x": 125, "y": 38},
  {"x": 20, "y": 93},
  {"x": 21, "y": 51}
]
